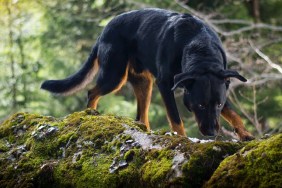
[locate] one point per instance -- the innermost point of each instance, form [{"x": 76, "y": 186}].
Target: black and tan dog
[{"x": 178, "y": 50}]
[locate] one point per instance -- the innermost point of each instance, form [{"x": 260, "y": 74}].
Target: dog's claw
[
  {"x": 88, "y": 94},
  {"x": 246, "y": 137}
]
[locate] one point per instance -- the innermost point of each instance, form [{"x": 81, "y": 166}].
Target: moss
[
  {"x": 88, "y": 149},
  {"x": 80, "y": 130},
  {"x": 67, "y": 137},
  {"x": 4, "y": 146},
  {"x": 155, "y": 171},
  {"x": 258, "y": 164},
  {"x": 204, "y": 160},
  {"x": 128, "y": 156}
]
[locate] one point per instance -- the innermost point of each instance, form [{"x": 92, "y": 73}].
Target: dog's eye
[
  {"x": 201, "y": 106},
  {"x": 219, "y": 105},
  {"x": 186, "y": 91}
]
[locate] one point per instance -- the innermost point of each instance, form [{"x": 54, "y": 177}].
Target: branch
[
  {"x": 229, "y": 21},
  {"x": 194, "y": 12},
  {"x": 249, "y": 28},
  {"x": 269, "y": 43},
  {"x": 235, "y": 101},
  {"x": 257, "y": 80},
  {"x": 229, "y": 133},
  {"x": 250, "y": 25},
  {"x": 266, "y": 58}
]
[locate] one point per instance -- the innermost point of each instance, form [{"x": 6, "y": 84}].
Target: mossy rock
[
  {"x": 86, "y": 149},
  {"x": 258, "y": 164}
]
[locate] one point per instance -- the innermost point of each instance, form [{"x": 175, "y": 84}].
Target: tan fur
[
  {"x": 122, "y": 82},
  {"x": 236, "y": 122},
  {"x": 89, "y": 77},
  {"x": 142, "y": 84},
  {"x": 95, "y": 94},
  {"x": 93, "y": 97},
  {"x": 179, "y": 128}
]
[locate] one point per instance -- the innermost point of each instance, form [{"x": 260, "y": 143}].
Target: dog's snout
[
  {"x": 210, "y": 132},
  {"x": 210, "y": 128}
]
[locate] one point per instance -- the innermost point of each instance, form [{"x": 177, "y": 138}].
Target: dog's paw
[{"x": 246, "y": 136}]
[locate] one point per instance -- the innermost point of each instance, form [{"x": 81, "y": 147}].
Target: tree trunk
[
  {"x": 12, "y": 60},
  {"x": 256, "y": 10}
]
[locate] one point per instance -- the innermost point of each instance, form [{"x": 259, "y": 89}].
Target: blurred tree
[{"x": 18, "y": 33}]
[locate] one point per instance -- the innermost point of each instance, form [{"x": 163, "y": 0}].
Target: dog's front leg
[
  {"x": 236, "y": 122},
  {"x": 171, "y": 108}
]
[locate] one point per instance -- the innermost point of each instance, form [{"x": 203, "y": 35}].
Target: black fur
[
  {"x": 61, "y": 86},
  {"x": 179, "y": 50}
]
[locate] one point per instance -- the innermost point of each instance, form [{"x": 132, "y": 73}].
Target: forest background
[{"x": 50, "y": 39}]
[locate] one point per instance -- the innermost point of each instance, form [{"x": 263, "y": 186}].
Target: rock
[
  {"x": 44, "y": 130},
  {"x": 88, "y": 149},
  {"x": 258, "y": 164}
]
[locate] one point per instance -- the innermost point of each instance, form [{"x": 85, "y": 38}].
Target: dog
[{"x": 174, "y": 50}]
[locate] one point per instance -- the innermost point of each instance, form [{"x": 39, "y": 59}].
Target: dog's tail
[{"x": 78, "y": 80}]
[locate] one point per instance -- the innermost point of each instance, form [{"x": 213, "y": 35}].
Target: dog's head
[{"x": 205, "y": 96}]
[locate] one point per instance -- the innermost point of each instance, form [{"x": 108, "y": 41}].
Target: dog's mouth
[
  {"x": 209, "y": 132},
  {"x": 210, "y": 129}
]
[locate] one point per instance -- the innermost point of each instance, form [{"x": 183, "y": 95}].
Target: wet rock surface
[
  {"x": 43, "y": 131},
  {"x": 88, "y": 149}
]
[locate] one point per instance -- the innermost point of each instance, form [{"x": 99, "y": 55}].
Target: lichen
[{"x": 258, "y": 164}]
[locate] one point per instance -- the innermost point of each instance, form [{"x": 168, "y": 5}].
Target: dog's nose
[
  {"x": 210, "y": 132},
  {"x": 209, "y": 128}
]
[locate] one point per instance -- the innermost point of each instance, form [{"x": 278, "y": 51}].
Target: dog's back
[{"x": 148, "y": 34}]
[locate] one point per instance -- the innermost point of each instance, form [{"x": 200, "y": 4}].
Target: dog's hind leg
[
  {"x": 112, "y": 74},
  {"x": 142, "y": 84},
  {"x": 236, "y": 122},
  {"x": 171, "y": 108},
  {"x": 93, "y": 97}
]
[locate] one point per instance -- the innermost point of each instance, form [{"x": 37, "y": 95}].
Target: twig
[
  {"x": 256, "y": 121},
  {"x": 269, "y": 43},
  {"x": 266, "y": 58},
  {"x": 229, "y": 21},
  {"x": 250, "y": 25},
  {"x": 236, "y": 102},
  {"x": 229, "y": 133}
]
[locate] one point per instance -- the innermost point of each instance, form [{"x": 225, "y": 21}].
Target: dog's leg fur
[
  {"x": 142, "y": 84},
  {"x": 93, "y": 97},
  {"x": 236, "y": 122},
  {"x": 171, "y": 108},
  {"x": 112, "y": 74},
  {"x": 99, "y": 90}
]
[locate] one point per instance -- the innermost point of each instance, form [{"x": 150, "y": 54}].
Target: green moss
[
  {"x": 155, "y": 172},
  {"x": 205, "y": 159},
  {"x": 128, "y": 156},
  {"x": 258, "y": 164},
  {"x": 67, "y": 137},
  {"x": 4, "y": 146},
  {"x": 87, "y": 149},
  {"x": 81, "y": 130}
]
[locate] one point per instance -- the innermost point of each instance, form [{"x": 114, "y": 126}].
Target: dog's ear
[
  {"x": 180, "y": 78},
  {"x": 232, "y": 73}
]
